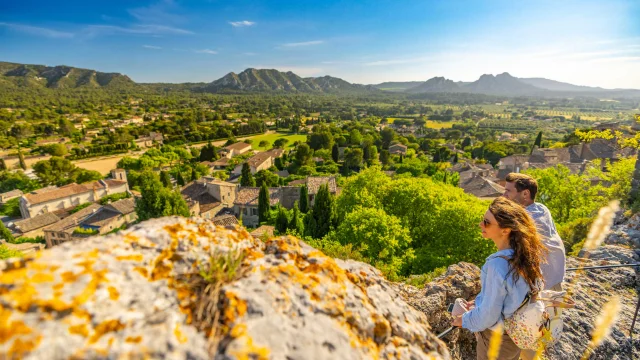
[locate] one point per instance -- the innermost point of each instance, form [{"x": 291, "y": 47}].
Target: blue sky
[{"x": 584, "y": 42}]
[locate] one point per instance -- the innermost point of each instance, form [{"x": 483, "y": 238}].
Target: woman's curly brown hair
[{"x": 529, "y": 251}]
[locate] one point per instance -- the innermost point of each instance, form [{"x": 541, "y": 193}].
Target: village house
[
  {"x": 153, "y": 139},
  {"x": 574, "y": 157},
  {"x": 63, "y": 230},
  {"x": 397, "y": 149},
  {"x": 259, "y": 161},
  {"x": 57, "y": 198},
  {"x": 246, "y": 204},
  {"x": 51, "y": 141},
  {"x": 4, "y": 197},
  {"x": 111, "y": 216},
  {"x": 481, "y": 187},
  {"x": 220, "y": 164},
  {"x": 33, "y": 227},
  {"x": 236, "y": 149},
  {"x": 208, "y": 196},
  {"x": 226, "y": 220}
]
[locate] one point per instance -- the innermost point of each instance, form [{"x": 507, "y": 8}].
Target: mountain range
[{"x": 270, "y": 80}]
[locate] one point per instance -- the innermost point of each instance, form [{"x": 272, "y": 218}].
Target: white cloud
[
  {"x": 38, "y": 31},
  {"x": 305, "y": 43},
  {"x": 151, "y": 47},
  {"x": 93, "y": 30},
  {"x": 206, "y": 51},
  {"x": 158, "y": 13},
  {"x": 242, "y": 23}
]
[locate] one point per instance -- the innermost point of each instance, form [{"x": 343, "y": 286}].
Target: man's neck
[{"x": 526, "y": 203}]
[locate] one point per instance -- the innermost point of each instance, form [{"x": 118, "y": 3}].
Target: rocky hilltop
[
  {"x": 176, "y": 288},
  {"x": 59, "y": 77}
]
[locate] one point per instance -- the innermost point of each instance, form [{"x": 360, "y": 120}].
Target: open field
[
  {"x": 102, "y": 165},
  {"x": 273, "y": 137},
  {"x": 440, "y": 124}
]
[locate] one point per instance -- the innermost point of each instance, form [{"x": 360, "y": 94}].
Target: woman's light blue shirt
[{"x": 499, "y": 295}]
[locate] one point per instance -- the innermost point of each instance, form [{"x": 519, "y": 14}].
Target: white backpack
[{"x": 538, "y": 319}]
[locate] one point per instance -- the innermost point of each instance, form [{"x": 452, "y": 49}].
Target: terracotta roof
[
  {"x": 114, "y": 183},
  {"x": 238, "y": 146},
  {"x": 275, "y": 153},
  {"x": 249, "y": 196},
  {"x": 101, "y": 218},
  {"x": 71, "y": 222},
  {"x": 225, "y": 220},
  {"x": 298, "y": 182},
  {"x": 124, "y": 206},
  {"x": 12, "y": 193},
  {"x": 482, "y": 187},
  {"x": 259, "y": 159},
  {"x": 263, "y": 229},
  {"x": 36, "y": 222},
  {"x": 45, "y": 195},
  {"x": 399, "y": 146},
  {"x": 314, "y": 182}
]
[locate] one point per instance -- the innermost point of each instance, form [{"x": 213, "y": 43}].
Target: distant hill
[
  {"x": 59, "y": 77},
  {"x": 397, "y": 86},
  {"x": 557, "y": 85},
  {"x": 502, "y": 84},
  {"x": 274, "y": 80},
  {"x": 436, "y": 84},
  {"x": 507, "y": 85}
]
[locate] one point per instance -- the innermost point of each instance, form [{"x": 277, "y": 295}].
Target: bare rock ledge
[{"x": 128, "y": 296}]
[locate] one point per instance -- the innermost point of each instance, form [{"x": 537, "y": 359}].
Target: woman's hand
[{"x": 457, "y": 321}]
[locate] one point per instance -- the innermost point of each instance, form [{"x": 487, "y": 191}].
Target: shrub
[{"x": 6, "y": 253}]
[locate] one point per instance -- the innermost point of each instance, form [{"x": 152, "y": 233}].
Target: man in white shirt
[{"x": 522, "y": 189}]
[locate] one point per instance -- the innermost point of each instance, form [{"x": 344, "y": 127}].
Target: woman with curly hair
[{"x": 507, "y": 275}]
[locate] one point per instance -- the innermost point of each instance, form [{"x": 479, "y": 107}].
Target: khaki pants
[
  {"x": 508, "y": 350},
  {"x": 531, "y": 354}
]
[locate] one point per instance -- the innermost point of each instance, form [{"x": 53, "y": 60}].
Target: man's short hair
[{"x": 524, "y": 182}]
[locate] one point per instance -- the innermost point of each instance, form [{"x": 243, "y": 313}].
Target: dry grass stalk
[
  {"x": 597, "y": 233},
  {"x": 494, "y": 343},
  {"x": 601, "y": 226},
  {"x": 603, "y": 325}
]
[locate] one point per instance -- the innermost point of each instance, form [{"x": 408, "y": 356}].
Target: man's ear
[{"x": 526, "y": 194}]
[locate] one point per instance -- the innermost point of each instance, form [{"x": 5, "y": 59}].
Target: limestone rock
[
  {"x": 132, "y": 295},
  {"x": 461, "y": 280}
]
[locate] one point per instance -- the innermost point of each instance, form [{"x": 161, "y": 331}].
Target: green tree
[
  {"x": 297, "y": 220},
  {"x": 194, "y": 174},
  {"x": 280, "y": 143},
  {"x": 180, "y": 179},
  {"x": 282, "y": 220},
  {"x": 23, "y": 164},
  {"x": 5, "y": 233},
  {"x": 264, "y": 203},
  {"x": 165, "y": 178},
  {"x": 304, "y": 199},
  {"x": 380, "y": 238},
  {"x": 246, "y": 178},
  {"x": 266, "y": 176},
  {"x": 353, "y": 158},
  {"x": 157, "y": 200},
  {"x": 322, "y": 215},
  {"x": 355, "y": 138},
  {"x": 264, "y": 144},
  {"x": 384, "y": 157},
  {"x": 538, "y": 142},
  {"x": 335, "y": 153},
  {"x": 303, "y": 154}
]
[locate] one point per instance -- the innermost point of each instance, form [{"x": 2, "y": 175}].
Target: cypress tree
[
  {"x": 247, "y": 179},
  {"x": 3, "y": 165},
  {"x": 304, "y": 199},
  {"x": 455, "y": 159},
  {"x": 5, "y": 234},
  {"x": 23, "y": 164},
  {"x": 194, "y": 174},
  {"x": 180, "y": 179},
  {"x": 263, "y": 203},
  {"x": 335, "y": 153},
  {"x": 296, "y": 222},
  {"x": 165, "y": 179},
  {"x": 322, "y": 212},
  {"x": 282, "y": 221},
  {"x": 537, "y": 143}
]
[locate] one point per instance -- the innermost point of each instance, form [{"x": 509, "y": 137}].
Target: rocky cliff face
[
  {"x": 592, "y": 289},
  {"x": 175, "y": 288}
]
